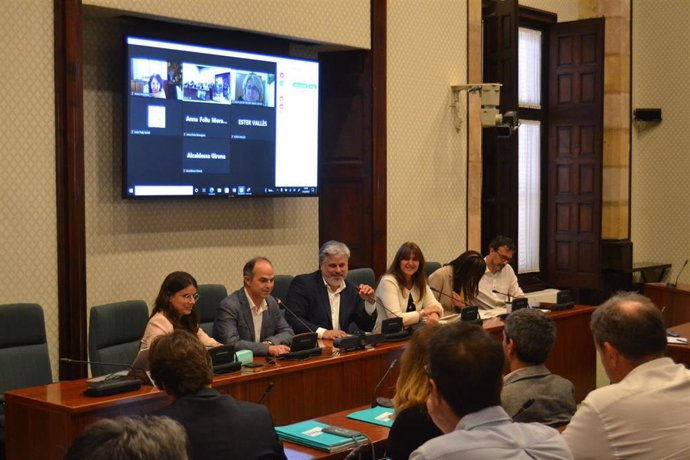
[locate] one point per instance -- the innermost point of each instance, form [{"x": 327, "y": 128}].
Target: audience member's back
[
  {"x": 218, "y": 426},
  {"x": 645, "y": 412},
  {"x": 133, "y": 437},
  {"x": 465, "y": 373},
  {"x": 531, "y": 393},
  {"x": 221, "y": 427}
]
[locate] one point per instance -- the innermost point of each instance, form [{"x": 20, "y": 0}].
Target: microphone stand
[{"x": 381, "y": 401}]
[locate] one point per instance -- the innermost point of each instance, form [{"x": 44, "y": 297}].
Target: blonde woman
[{"x": 412, "y": 426}]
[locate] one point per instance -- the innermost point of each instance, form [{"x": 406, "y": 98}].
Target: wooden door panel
[
  {"x": 574, "y": 159},
  {"x": 499, "y": 156}
]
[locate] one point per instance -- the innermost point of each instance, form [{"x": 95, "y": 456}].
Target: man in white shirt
[
  {"x": 465, "y": 375},
  {"x": 645, "y": 412},
  {"x": 499, "y": 283},
  {"x": 325, "y": 302}
]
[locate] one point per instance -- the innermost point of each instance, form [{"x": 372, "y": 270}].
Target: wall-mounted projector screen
[{"x": 208, "y": 122}]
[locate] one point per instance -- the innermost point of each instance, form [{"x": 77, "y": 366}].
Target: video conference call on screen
[{"x": 207, "y": 122}]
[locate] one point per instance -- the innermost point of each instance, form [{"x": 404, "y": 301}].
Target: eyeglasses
[
  {"x": 504, "y": 258},
  {"x": 189, "y": 297}
]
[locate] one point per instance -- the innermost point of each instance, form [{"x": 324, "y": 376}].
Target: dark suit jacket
[
  {"x": 307, "y": 298},
  {"x": 220, "y": 427},
  {"x": 234, "y": 324}
]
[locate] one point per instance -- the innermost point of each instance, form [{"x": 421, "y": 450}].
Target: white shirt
[
  {"x": 395, "y": 300},
  {"x": 644, "y": 416},
  {"x": 257, "y": 315},
  {"x": 334, "y": 300},
  {"x": 490, "y": 434},
  {"x": 504, "y": 281}
]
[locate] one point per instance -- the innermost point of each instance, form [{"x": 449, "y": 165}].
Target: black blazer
[
  {"x": 307, "y": 298},
  {"x": 220, "y": 427}
]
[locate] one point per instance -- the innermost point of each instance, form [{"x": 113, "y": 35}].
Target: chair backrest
[
  {"x": 210, "y": 296},
  {"x": 115, "y": 331},
  {"x": 359, "y": 276},
  {"x": 281, "y": 283},
  {"x": 24, "y": 360},
  {"x": 430, "y": 267}
]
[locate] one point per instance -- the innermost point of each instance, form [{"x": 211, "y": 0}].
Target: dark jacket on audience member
[
  {"x": 220, "y": 427},
  {"x": 412, "y": 428}
]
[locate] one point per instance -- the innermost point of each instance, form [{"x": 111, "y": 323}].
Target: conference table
[
  {"x": 42, "y": 421},
  {"x": 678, "y": 352},
  {"x": 673, "y": 301}
]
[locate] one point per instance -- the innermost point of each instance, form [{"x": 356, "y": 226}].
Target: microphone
[
  {"x": 449, "y": 296},
  {"x": 109, "y": 384},
  {"x": 381, "y": 401},
  {"x": 675, "y": 283},
  {"x": 303, "y": 345},
  {"x": 502, "y": 293},
  {"x": 379, "y": 302},
  {"x": 392, "y": 329},
  {"x": 267, "y": 391},
  {"x": 283, "y": 305},
  {"x": 468, "y": 312}
]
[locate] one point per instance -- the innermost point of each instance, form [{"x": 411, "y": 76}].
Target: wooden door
[{"x": 574, "y": 163}]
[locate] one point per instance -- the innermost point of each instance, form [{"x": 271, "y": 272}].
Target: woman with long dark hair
[
  {"x": 175, "y": 308},
  {"x": 404, "y": 292},
  {"x": 456, "y": 284}
]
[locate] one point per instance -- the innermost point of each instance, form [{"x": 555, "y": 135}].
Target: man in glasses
[
  {"x": 499, "y": 283},
  {"x": 466, "y": 374}
]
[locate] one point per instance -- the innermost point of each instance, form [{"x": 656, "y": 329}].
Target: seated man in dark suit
[
  {"x": 326, "y": 301},
  {"x": 218, "y": 426},
  {"x": 250, "y": 318},
  {"x": 530, "y": 392}
]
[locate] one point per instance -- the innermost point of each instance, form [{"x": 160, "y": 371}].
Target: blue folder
[{"x": 377, "y": 415}]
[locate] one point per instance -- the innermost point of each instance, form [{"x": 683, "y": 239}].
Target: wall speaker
[{"x": 647, "y": 115}]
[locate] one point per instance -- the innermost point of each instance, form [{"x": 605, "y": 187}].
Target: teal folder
[
  {"x": 377, "y": 415},
  {"x": 309, "y": 434}
]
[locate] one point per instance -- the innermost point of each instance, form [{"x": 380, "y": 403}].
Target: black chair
[
  {"x": 359, "y": 276},
  {"x": 281, "y": 283},
  {"x": 210, "y": 296},
  {"x": 24, "y": 360},
  {"x": 115, "y": 332},
  {"x": 430, "y": 267}
]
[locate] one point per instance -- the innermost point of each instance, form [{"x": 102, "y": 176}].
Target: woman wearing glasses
[{"x": 175, "y": 308}]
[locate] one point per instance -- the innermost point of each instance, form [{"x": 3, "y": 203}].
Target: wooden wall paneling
[{"x": 69, "y": 167}]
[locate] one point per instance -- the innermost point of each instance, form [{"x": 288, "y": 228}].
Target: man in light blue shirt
[{"x": 465, "y": 372}]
